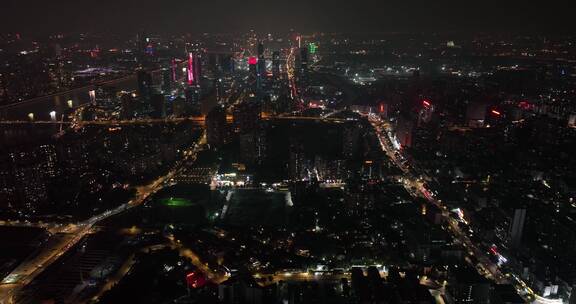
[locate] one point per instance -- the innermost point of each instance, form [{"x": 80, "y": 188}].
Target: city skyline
[
  {"x": 224, "y": 16},
  {"x": 365, "y": 152}
]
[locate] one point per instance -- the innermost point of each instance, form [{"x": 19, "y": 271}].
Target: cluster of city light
[{"x": 231, "y": 180}]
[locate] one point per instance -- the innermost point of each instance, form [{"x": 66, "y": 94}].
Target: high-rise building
[
  {"x": 506, "y": 294},
  {"x": 254, "y": 76},
  {"x": 476, "y": 113},
  {"x": 3, "y": 89},
  {"x": 128, "y": 104},
  {"x": 141, "y": 43},
  {"x": 192, "y": 95},
  {"x": 226, "y": 63},
  {"x": 312, "y": 48},
  {"x": 304, "y": 64},
  {"x": 104, "y": 95},
  {"x": 216, "y": 127},
  {"x": 194, "y": 69},
  {"x": 167, "y": 80},
  {"x": 214, "y": 62},
  {"x": 7, "y": 182},
  {"x": 260, "y": 49},
  {"x": 180, "y": 107},
  {"x": 517, "y": 227},
  {"x": 298, "y": 165},
  {"x": 572, "y": 121},
  {"x": 276, "y": 64},
  {"x": 329, "y": 169},
  {"x": 261, "y": 63},
  {"x": 573, "y": 295},
  {"x": 219, "y": 87},
  {"x": 426, "y": 112},
  {"x": 32, "y": 170},
  {"x": 350, "y": 140},
  {"x": 174, "y": 70},
  {"x": 253, "y": 147},
  {"x": 158, "y": 104},
  {"x": 247, "y": 116},
  {"x": 469, "y": 287},
  {"x": 404, "y": 131},
  {"x": 144, "y": 84}
]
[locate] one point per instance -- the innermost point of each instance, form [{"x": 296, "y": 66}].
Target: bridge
[{"x": 199, "y": 120}]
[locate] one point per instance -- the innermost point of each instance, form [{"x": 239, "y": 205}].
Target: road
[
  {"x": 25, "y": 273},
  {"x": 50, "y": 227},
  {"x": 413, "y": 182},
  {"x": 417, "y": 188},
  {"x": 302, "y": 276},
  {"x": 198, "y": 120}
]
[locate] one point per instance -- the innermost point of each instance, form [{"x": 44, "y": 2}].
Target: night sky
[{"x": 271, "y": 15}]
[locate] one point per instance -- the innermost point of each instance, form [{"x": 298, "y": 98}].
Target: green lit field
[{"x": 176, "y": 202}]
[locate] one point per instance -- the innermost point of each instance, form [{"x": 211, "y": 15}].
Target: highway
[{"x": 25, "y": 273}]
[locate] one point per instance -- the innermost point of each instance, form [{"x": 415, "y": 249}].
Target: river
[{"x": 59, "y": 102}]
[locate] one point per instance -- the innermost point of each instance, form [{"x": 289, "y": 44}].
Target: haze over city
[
  {"x": 179, "y": 16},
  {"x": 295, "y": 152}
]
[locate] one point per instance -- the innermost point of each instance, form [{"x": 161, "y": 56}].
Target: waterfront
[{"x": 61, "y": 103}]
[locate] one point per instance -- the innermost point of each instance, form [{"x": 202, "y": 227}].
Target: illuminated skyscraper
[
  {"x": 254, "y": 77},
  {"x": 194, "y": 69},
  {"x": 193, "y": 92},
  {"x": 425, "y": 113},
  {"x": 312, "y": 48}
]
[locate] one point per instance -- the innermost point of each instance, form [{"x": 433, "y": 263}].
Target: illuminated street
[{"x": 26, "y": 272}]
